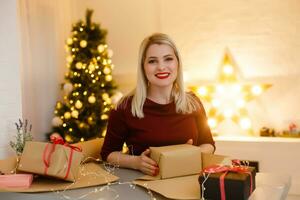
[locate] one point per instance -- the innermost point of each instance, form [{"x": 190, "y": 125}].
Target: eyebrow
[{"x": 154, "y": 57}]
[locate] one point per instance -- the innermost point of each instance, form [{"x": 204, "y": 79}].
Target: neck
[{"x": 160, "y": 95}]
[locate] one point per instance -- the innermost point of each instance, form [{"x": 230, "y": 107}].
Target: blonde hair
[{"x": 185, "y": 102}]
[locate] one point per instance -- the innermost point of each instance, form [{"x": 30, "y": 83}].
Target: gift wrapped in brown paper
[
  {"x": 86, "y": 178},
  {"x": 177, "y": 160},
  {"x": 51, "y": 159},
  {"x": 183, "y": 163},
  {"x": 91, "y": 149}
]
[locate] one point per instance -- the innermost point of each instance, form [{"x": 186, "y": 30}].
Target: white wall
[
  {"x": 10, "y": 80},
  {"x": 262, "y": 35},
  {"x": 44, "y": 27}
]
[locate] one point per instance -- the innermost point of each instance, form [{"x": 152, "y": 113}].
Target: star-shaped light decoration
[{"x": 228, "y": 97}]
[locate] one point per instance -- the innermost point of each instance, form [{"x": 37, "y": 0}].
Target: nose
[{"x": 161, "y": 66}]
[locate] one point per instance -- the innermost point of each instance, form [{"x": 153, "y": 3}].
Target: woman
[{"x": 158, "y": 112}]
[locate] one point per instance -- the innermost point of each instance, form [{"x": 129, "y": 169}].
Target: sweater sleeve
[{"x": 116, "y": 133}]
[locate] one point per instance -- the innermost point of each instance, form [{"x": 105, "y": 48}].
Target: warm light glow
[
  {"x": 67, "y": 115},
  {"x": 228, "y": 113},
  {"x": 216, "y": 103},
  {"x": 92, "y": 99},
  {"x": 108, "y": 78},
  {"x": 78, "y": 65},
  {"x": 68, "y": 138},
  {"x": 228, "y": 96},
  {"x": 202, "y": 91},
  {"x": 227, "y": 69},
  {"x": 104, "y": 117},
  {"x": 106, "y": 70},
  {"x": 256, "y": 90},
  {"x": 103, "y": 133},
  {"x": 75, "y": 114},
  {"x": 245, "y": 123},
  {"x": 212, "y": 123},
  {"x": 240, "y": 103},
  {"x": 220, "y": 89}
]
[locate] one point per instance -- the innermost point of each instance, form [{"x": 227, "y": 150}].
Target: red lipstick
[{"x": 162, "y": 75}]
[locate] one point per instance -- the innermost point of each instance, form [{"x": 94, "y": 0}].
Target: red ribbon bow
[
  {"x": 236, "y": 167},
  {"x": 58, "y": 141}
]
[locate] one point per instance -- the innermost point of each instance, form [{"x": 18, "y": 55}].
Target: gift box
[
  {"x": 177, "y": 160},
  {"x": 55, "y": 159},
  {"x": 236, "y": 183},
  {"x": 91, "y": 174},
  {"x": 179, "y": 186},
  {"x": 91, "y": 149},
  {"x": 16, "y": 180}
]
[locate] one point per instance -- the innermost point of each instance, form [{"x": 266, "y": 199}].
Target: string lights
[{"x": 103, "y": 191}]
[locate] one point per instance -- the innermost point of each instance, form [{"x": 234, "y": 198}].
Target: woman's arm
[
  {"x": 207, "y": 148},
  {"x": 141, "y": 162}
]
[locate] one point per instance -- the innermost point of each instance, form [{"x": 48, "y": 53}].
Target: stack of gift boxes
[{"x": 219, "y": 177}]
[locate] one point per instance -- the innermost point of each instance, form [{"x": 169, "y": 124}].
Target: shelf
[{"x": 256, "y": 139}]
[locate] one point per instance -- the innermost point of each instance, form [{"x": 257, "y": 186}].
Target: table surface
[{"x": 124, "y": 190}]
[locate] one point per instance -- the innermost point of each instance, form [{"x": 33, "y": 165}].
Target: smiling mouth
[{"x": 162, "y": 75}]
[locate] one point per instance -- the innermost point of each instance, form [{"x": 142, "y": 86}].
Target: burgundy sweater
[{"x": 160, "y": 126}]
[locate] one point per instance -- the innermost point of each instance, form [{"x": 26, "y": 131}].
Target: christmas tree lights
[{"x": 89, "y": 89}]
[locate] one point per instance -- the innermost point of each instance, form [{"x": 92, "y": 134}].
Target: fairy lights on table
[
  {"x": 228, "y": 96},
  {"x": 102, "y": 189}
]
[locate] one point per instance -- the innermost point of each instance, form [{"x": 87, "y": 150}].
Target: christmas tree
[{"x": 88, "y": 88}]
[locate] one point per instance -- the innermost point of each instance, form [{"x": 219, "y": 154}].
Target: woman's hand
[
  {"x": 146, "y": 164},
  {"x": 190, "y": 141}
]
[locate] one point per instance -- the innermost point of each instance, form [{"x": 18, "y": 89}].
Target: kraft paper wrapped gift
[
  {"x": 91, "y": 174},
  {"x": 177, "y": 160},
  {"x": 91, "y": 149},
  {"x": 51, "y": 159},
  {"x": 237, "y": 185},
  {"x": 185, "y": 163}
]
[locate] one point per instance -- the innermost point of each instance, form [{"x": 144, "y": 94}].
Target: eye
[
  {"x": 169, "y": 59},
  {"x": 151, "y": 61}
]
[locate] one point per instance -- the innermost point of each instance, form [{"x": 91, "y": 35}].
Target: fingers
[
  {"x": 147, "y": 165},
  {"x": 145, "y": 158},
  {"x": 190, "y": 141},
  {"x": 146, "y": 152}
]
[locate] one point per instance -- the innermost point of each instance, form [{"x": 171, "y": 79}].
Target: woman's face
[{"x": 160, "y": 65}]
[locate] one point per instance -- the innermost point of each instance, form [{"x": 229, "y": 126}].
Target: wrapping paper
[
  {"x": 91, "y": 149},
  {"x": 62, "y": 163},
  {"x": 90, "y": 174},
  {"x": 177, "y": 160},
  {"x": 179, "y": 186}
]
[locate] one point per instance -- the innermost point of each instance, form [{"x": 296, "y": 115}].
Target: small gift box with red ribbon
[
  {"x": 220, "y": 182},
  {"x": 57, "y": 159}
]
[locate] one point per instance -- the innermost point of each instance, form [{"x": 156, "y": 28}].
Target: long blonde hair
[{"x": 185, "y": 102}]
